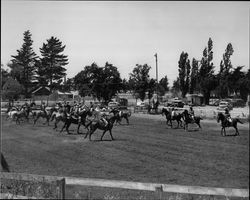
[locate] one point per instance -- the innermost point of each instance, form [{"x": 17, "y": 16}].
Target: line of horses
[
  {"x": 87, "y": 118},
  {"x": 185, "y": 118}
]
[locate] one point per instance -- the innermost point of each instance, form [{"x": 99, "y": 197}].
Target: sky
[{"x": 126, "y": 33}]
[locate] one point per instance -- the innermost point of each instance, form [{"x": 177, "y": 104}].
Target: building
[
  {"x": 42, "y": 93},
  {"x": 195, "y": 99}
]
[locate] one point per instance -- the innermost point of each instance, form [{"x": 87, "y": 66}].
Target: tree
[
  {"x": 176, "y": 88},
  {"x": 225, "y": 67},
  {"x": 11, "y": 89},
  {"x": 24, "y": 63},
  {"x": 194, "y": 77},
  {"x": 184, "y": 71},
  {"x": 206, "y": 76},
  {"x": 163, "y": 86},
  {"x": 51, "y": 66},
  {"x": 139, "y": 80},
  {"x": 4, "y": 76},
  {"x": 101, "y": 82}
]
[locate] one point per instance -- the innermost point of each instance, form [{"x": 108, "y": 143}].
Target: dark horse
[
  {"x": 189, "y": 120},
  {"x": 225, "y": 123},
  {"x": 124, "y": 115},
  {"x": 81, "y": 120},
  {"x": 100, "y": 125},
  {"x": 169, "y": 118}
]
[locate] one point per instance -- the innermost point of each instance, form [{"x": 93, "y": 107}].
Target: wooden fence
[{"x": 157, "y": 187}]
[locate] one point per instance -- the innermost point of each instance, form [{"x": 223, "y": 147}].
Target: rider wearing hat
[
  {"x": 191, "y": 112},
  {"x": 43, "y": 107},
  {"x": 227, "y": 115},
  {"x": 173, "y": 113}
]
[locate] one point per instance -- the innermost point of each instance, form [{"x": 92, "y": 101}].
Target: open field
[{"x": 144, "y": 151}]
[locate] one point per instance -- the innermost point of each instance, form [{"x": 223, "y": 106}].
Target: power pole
[{"x": 156, "y": 76}]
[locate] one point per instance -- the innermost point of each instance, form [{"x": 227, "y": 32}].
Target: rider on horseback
[
  {"x": 191, "y": 113},
  {"x": 227, "y": 115},
  {"x": 173, "y": 113},
  {"x": 43, "y": 107}
]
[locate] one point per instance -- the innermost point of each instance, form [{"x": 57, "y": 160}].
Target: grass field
[{"x": 144, "y": 151}]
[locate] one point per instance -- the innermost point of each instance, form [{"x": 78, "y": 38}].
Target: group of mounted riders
[{"x": 64, "y": 110}]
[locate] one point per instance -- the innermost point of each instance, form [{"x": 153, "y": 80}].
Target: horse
[
  {"x": 124, "y": 115},
  {"x": 226, "y": 123},
  {"x": 100, "y": 125},
  {"x": 189, "y": 120},
  {"x": 171, "y": 118},
  {"x": 46, "y": 115},
  {"x": 20, "y": 114},
  {"x": 58, "y": 116},
  {"x": 10, "y": 112},
  {"x": 81, "y": 120}
]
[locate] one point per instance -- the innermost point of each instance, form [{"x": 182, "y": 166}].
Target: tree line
[
  {"x": 200, "y": 77},
  {"x": 29, "y": 71}
]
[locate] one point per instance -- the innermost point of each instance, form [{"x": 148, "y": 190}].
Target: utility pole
[{"x": 156, "y": 76}]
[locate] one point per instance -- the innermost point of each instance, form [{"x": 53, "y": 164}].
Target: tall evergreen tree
[
  {"x": 52, "y": 62},
  {"x": 224, "y": 73},
  {"x": 207, "y": 78},
  {"x": 184, "y": 73},
  {"x": 194, "y": 77},
  {"x": 24, "y": 62}
]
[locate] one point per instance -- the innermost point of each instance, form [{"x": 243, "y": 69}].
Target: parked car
[
  {"x": 176, "y": 103},
  {"x": 224, "y": 104},
  {"x": 238, "y": 103},
  {"x": 112, "y": 105}
]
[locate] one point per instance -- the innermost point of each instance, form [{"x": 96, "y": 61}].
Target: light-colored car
[
  {"x": 112, "y": 105},
  {"x": 224, "y": 104}
]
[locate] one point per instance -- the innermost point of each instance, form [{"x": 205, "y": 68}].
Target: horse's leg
[
  {"x": 103, "y": 134},
  {"x": 63, "y": 127},
  {"x": 127, "y": 120},
  {"x": 78, "y": 127},
  {"x": 67, "y": 128},
  {"x": 237, "y": 131},
  {"x": 91, "y": 132}
]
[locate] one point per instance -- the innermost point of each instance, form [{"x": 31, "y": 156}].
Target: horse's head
[{"x": 220, "y": 117}]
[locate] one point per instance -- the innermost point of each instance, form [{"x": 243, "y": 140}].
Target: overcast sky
[{"x": 126, "y": 33}]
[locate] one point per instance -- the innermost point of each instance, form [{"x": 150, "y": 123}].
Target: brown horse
[
  {"x": 171, "y": 118},
  {"x": 226, "y": 123},
  {"x": 100, "y": 125},
  {"x": 124, "y": 115},
  {"x": 189, "y": 120}
]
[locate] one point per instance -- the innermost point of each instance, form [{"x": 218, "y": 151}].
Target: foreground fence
[{"x": 159, "y": 189}]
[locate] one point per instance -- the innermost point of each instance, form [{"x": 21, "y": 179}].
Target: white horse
[{"x": 11, "y": 113}]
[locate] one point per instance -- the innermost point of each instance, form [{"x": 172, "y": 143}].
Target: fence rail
[
  {"x": 157, "y": 187},
  {"x": 230, "y": 192}
]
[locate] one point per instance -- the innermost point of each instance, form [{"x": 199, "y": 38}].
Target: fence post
[
  {"x": 60, "y": 188},
  {"x": 159, "y": 191}
]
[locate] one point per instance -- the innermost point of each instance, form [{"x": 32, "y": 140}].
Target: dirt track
[{"x": 145, "y": 151}]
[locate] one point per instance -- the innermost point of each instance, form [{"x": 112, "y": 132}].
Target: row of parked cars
[{"x": 229, "y": 103}]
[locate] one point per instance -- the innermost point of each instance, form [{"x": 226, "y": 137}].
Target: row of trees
[
  {"x": 28, "y": 71},
  {"x": 195, "y": 78}
]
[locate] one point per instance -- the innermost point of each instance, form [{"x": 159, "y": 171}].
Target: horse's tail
[{"x": 238, "y": 120}]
